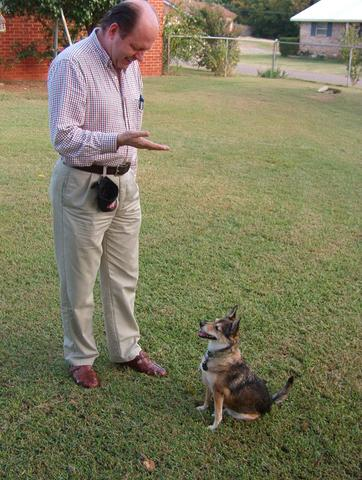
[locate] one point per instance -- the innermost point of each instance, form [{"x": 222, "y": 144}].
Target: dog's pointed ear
[
  {"x": 235, "y": 326},
  {"x": 232, "y": 313},
  {"x": 231, "y": 328}
]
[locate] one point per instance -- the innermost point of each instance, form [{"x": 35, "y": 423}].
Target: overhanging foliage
[{"x": 82, "y": 13}]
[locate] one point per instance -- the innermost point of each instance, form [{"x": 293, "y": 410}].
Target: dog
[{"x": 228, "y": 379}]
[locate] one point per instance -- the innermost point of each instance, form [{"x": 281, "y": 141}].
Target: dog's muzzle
[{"x": 203, "y": 334}]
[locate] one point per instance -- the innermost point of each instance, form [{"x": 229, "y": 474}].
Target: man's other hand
[{"x": 139, "y": 140}]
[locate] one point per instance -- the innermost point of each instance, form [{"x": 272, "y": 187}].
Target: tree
[
  {"x": 269, "y": 18},
  {"x": 83, "y": 14}
]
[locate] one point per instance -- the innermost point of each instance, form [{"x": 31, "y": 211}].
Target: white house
[{"x": 323, "y": 25}]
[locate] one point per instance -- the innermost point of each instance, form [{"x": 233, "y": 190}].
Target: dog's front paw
[
  {"x": 202, "y": 408},
  {"x": 212, "y": 427}
]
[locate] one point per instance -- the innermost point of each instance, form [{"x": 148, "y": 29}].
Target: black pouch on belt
[{"x": 107, "y": 194}]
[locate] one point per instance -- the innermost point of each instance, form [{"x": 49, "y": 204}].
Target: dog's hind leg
[
  {"x": 218, "y": 404},
  {"x": 206, "y": 404},
  {"x": 249, "y": 417}
]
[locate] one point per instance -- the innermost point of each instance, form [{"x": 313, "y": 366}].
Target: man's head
[{"x": 128, "y": 30}]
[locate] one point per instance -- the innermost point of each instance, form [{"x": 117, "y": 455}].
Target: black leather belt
[{"x": 118, "y": 170}]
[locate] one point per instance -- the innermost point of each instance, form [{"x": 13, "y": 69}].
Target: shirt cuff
[{"x": 109, "y": 143}]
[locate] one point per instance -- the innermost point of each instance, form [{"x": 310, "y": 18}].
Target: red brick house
[
  {"x": 19, "y": 60},
  {"x": 323, "y": 25}
]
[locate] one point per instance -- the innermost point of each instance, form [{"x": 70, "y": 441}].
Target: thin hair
[{"x": 124, "y": 14}]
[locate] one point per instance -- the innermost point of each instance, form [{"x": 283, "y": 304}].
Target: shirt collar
[{"x": 103, "y": 55}]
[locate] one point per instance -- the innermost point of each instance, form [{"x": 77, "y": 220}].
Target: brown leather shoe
[
  {"x": 85, "y": 376},
  {"x": 142, "y": 363}
]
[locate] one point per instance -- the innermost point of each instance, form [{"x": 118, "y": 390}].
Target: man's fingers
[
  {"x": 138, "y": 139},
  {"x": 127, "y": 138},
  {"x": 147, "y": 144},
  {"x": 131, "y": 134}
]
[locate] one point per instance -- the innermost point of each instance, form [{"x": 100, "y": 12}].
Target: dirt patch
[
  {"x": 20, "y": 87},
  {"x": 323, "y": 97}
]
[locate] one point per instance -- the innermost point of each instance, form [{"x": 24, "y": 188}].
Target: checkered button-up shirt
[{"x": 90, "y": 103}]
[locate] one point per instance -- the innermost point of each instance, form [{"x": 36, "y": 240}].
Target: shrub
[
  {"x": 31, "y": 50},
  {"x": 277, "y": 73},
  {"x": 218, "y": 56},
  {"x": 289, "y": 48},
  {"x": 178, "y": 22},
  {"x": 350, "y": 38}
]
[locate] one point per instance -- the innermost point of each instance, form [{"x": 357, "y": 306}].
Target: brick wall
[
  {"x": 21, "y": 30},
  {"x": 24, "y": 30},
  {"x": 152, "y": 63},
  {"x": 319, "y": 41}
]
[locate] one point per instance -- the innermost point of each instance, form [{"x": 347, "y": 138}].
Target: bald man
[{"x": 95, "y": 114}]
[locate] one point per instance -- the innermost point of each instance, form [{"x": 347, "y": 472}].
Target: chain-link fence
[{"x": 319, "y": 62}]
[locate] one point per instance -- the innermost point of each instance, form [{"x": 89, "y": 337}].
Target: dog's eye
[{"x": 217, "y": 328}]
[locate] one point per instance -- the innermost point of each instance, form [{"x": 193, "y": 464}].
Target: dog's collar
[{"x": 209, "y": 354}]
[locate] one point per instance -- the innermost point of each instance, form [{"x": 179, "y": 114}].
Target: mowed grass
[
  {"x": 257, "y": 204},
  {"x": 259, "y": 53},
  {"x": 300, "y": 63}
]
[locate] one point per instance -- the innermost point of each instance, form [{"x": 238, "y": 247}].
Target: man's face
[{"x": 123, "y": 51}]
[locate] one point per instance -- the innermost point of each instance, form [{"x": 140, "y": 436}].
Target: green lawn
[
  {"x": 260, "y": 52},
  {"x": 302, "y": 64},
  {"x": 258, "y": 203}
]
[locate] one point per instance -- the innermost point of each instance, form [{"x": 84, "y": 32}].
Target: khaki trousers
[{"x": 88, "y": 240}]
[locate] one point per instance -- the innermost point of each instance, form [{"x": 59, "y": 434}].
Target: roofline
[{"x": 310, "y": 20}]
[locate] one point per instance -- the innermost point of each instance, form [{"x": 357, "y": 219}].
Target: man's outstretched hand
[{"x": 139, "y": 140}]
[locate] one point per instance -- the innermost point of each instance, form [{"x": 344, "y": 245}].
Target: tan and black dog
[{"x": 228, "y": 379}]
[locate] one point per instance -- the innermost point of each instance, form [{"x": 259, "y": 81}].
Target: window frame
[{"x": 321, "y": 29}]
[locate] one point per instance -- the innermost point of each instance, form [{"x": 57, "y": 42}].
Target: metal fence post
[
  {"x": 226, "y": 57},
  {"x": 274, "y": 54},
  {"x": 168, "y": 53},
  {"x": 350, "y": 66}
]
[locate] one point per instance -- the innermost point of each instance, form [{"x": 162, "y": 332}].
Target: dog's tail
[{"x": 283, "y": 393}]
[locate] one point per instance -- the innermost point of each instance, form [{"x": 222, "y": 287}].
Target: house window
[{"x": 322, "y": 29}]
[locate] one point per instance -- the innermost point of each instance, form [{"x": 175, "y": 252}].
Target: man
[{"x": 95, "y": 112}]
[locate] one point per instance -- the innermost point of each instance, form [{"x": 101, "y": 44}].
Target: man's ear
[
  {"x": 232, "y": 313},
  {"x": 114, "y": 29}
]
